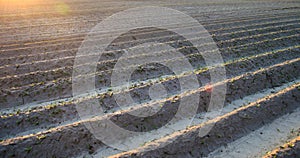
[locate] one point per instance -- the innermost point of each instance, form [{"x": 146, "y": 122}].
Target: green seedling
[{"x": 28, "y": 149}]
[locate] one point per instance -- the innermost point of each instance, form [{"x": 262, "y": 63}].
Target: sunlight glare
[{"x": 18, "y": 2}]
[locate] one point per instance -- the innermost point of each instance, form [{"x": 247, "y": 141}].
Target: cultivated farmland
[{"x": 259, "y": 42}]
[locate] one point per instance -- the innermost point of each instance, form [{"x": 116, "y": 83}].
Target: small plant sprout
[{"x": 28, "y": 149}]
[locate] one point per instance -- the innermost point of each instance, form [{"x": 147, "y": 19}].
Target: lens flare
[{"x": 62, "y": 8}]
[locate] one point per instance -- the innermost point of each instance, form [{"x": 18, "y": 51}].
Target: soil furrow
[
  {"x": 42, "y": 66},
  {"x": 223, "y": 26},
  {"x": 42, "y": 33},
  {"x": 73, "y": 12},
  {"x": 227, "y": 128},
  {"x": 62, "y": 87},
  {"x": 23, "y": 58},
  {"x": 290, "y": 149},
  {"x": 252, "y": 114},
  {"x": 31, "y": 27},
  {"x": 63, "y": 111}
]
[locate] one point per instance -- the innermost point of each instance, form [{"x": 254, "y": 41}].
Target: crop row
[
  {"x": 13, "y": 69},
  {"x": 76, "y": 130},
  {"x": 225, "y": 129},
  {"x": 145, "y": 32},
  {"x": 223, "y": 26},
  {"x": 63, "y": 87},
  {"x": 259, "y": 79}
]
